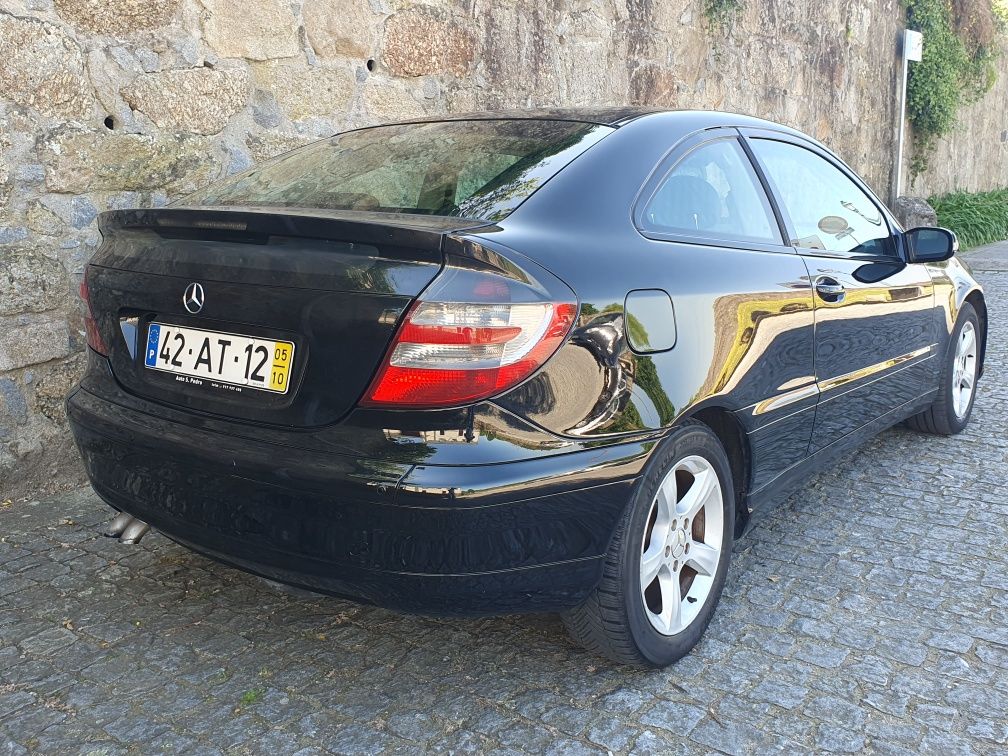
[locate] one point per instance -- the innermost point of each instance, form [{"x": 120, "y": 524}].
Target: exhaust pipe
[
  {"x": 127, "y": 528},
  {"x": 136, "y": 530},
  {"x": 118, "y": 525}
]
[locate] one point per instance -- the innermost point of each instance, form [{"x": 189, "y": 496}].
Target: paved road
[{"x": 868, "y": 611}]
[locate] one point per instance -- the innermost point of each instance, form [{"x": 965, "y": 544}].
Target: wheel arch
[
  {"x": 976, "y": 299},
  {"x": 726, "y": 426}
]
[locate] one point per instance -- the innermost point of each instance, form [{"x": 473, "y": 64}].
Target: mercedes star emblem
[{"x": 193, "y": 298}]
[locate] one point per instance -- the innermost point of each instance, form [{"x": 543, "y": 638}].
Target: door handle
[{"x": 829, "y": 289}]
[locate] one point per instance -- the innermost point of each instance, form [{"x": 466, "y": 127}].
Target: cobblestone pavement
[{"x": 869, "y": 611}]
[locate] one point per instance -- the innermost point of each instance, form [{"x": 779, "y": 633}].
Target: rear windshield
[{"x": 475, "y": 169}]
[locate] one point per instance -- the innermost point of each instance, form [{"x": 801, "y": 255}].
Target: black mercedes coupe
[{"x": 512, "y": 362}]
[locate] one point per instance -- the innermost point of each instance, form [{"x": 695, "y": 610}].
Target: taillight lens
[
  {"x": 450, "y": 353},
  {"x": 94, "y": 338}
]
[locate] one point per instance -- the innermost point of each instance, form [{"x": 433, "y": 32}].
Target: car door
[{"x": 874, "y": 326}]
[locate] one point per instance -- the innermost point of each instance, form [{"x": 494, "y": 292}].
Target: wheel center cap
[{"x": 677, "y": 543}]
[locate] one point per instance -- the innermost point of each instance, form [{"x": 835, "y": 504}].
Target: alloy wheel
[
  {"x": 964, "y": 370},
  {"x": 681, "y": 548}
]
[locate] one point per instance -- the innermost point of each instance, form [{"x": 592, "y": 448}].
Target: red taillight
[
  {"x": 452, "y": 353},
  {"x": 94, "y": 338}
]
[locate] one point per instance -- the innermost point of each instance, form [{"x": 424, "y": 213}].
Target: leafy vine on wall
[
  {"x": 719, "y": 13},
  {"x": 957, "y": 68}
]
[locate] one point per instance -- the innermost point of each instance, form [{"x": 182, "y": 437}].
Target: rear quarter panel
[{"x": 743, "y": 318}]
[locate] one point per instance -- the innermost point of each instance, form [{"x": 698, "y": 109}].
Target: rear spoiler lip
[{"x": 402, "y": 230}]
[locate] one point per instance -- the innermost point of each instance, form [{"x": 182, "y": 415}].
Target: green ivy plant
[
  {"x": 719, "y": 13},
  {"x": 1001, "y": 13},
  {"x": 957, "y": 68}
]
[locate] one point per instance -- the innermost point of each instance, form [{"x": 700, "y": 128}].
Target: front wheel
[
  {"x": 668, "y": 559},
  {"x": 950, "y": 412}
]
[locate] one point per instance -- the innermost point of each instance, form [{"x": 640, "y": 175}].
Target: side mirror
[{"x": 931, "y": 244}]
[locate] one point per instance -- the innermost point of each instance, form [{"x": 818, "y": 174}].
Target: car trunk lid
[{"x": 332, "y": 284}]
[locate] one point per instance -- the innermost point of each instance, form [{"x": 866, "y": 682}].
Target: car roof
[
  {"x": 603, "y": 115},
  {"x": 613, "y": 116}
]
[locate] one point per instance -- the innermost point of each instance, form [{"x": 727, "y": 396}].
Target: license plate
[{"x": 219, "y": 357}]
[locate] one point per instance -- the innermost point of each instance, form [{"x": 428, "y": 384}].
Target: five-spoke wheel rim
[
  {"x": 964, "y": 370},
  {"x": 681, "y": 548}
]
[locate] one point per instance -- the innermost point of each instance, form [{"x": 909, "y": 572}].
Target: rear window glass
[{"x": 476, "y": 169}]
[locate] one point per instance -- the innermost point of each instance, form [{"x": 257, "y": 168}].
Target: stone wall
[
  {"x": 975, "y": 158},
  {"x": 115, "y": 103}
]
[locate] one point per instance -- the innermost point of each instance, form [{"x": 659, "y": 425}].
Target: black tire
[
  {"x": 941, "y": 418},
  {"x": 613, "y": 621}
]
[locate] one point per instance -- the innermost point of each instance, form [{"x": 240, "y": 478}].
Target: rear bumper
[{"x": 525, "y": 535}]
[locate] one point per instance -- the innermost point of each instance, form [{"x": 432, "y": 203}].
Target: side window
[
  {"x": 829, "y": 211},
  {"x": 713, "y": 192}
]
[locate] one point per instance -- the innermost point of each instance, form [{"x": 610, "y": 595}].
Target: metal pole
[
  {"x": 912, "y": 48},
  {"x": 902, "y": 121}
]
